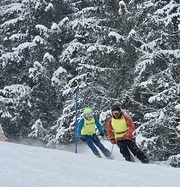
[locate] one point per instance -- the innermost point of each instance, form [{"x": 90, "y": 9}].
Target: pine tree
[
  {"x": 30, "y": 41},
  {"x": 156, "y": 87}
]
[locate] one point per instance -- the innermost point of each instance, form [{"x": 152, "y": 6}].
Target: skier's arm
[
  {"x": 98, "y": 125},
  {"x": 110, "y": 131},
  {"x": 130, "y": 124},
  {"x": 79, "y": 128}
]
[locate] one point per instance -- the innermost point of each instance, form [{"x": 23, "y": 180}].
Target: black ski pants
[{"x": 126, "y": 145}]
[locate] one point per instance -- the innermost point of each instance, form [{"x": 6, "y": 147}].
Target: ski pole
[
  {"x": 111, "y": 149},
  {"x": 76, "y": 98}
]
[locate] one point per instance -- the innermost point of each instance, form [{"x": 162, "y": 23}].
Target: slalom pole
[{"x": 76, "y": 100}]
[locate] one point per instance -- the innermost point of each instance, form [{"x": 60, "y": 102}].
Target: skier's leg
[
  {"x": 124, "y": 149},
  {"x": 137, "y": 152},
  {"x": 97, "y": 142},
  {"x": 90, "y": 144}
]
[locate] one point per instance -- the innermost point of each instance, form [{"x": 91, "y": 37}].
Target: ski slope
[{"x": 28, "y": 166}]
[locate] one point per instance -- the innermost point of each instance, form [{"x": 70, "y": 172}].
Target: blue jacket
[{"x": 81, "y": 124}]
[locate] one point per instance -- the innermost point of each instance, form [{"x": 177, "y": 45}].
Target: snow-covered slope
[{"x": 27, "y": 166}]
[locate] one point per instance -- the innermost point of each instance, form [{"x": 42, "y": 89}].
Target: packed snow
[{"x": 30, "y": 166}]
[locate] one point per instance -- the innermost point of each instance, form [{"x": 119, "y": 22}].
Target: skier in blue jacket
[{"x": 87, "y": 132}]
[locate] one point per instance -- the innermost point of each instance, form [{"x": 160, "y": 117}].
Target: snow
[
  {"x": 63, "y": 21},
  {"x": 27, "y": 45},
  {"x": 15, "y": 90},
  {"x": 177, "y": 107},
  {"x": 48, "y": 57},
  {"x": 57, "y": 75},
  {"x": 10, "y": 22},
  {"x": 28, "y": 166},
  {"x": 117, "y": 36},
  {"x": 72, "y": 47},
  {"x": 36, "y": 70},
  {"x": 166, "y": 14},
  {"x": 55, "y": 27},
  {"x": 122, "y": 5},
  {"x": 38, "y": 40},
  {"x": 11, "y": 8},
  {"x": 17, "y": 37},
  {"x": 41, "y": 28},
  {"x": 49, "y": 7}
]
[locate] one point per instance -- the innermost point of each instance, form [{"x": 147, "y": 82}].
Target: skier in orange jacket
[{"x": 120, "y": 130}]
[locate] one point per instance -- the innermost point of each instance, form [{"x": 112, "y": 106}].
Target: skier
[
  {"x": 120, "y": 130},
  {"x": 86, "y": 131}
]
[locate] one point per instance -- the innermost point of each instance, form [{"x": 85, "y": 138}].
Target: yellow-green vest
[
  {"x": 120, "y": 127},
  {"x": 88, "y": 127}
]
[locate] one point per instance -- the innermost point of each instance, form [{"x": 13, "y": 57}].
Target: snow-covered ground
[{"x": 28, "y": 166}]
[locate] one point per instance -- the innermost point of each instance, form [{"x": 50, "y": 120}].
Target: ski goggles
[
  {"x": 89, "y": 116},
  {"x": 116, "y": 112}
]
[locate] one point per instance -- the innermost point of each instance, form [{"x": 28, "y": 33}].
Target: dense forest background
[{"x": 125, "y": 52}]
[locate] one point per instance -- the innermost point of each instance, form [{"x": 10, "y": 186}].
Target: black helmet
[{"x": 116, "y": 108}]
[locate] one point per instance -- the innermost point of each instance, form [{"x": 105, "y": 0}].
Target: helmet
[
  {"x": 116, "y": 108},
  {"x": 116, "y": 112},
  {"x": 87, "y": 111}
]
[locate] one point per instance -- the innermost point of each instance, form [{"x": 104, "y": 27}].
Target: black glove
[
  {"x": 113, "y": 141},
  {"x": 101, "y": 134}
]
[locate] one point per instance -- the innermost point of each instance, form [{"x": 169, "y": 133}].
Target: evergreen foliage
[{"x": 156, "y": 86}]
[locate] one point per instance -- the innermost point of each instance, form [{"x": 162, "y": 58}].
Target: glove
[
  {"x": 101, "y": 134},
  {"x": 113, "y": 141}
]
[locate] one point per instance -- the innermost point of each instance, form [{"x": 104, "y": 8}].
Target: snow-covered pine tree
[
  {"x": 157, "y": 83},
  {"x": 30, "y": 41},
  {"x": 98, "y": 56}
]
